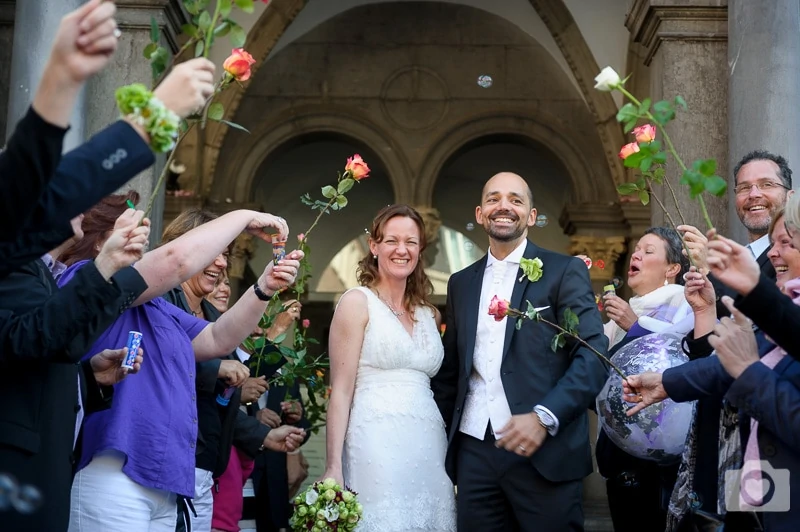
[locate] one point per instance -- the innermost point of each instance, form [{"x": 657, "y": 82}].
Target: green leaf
[
  {"x": 644, "y": 107},
  {"x": 245, "y": 5},
  {"x": 629, "y": 125},
  {"x": 715, "y": 185},
  {"x": 646, "y": 163},
  {"x": 570, "y": 321},
  {"x": 518, "y": 325},
  {"x": 345, "y": 185},
  {"x": 660, "y": 157},
  {"x": 198, "y": 48},
  {"x": 216, "y": 111},
  {"x": 328, "y": 191},
  {"x": 158, "y": 61},
  {"x": 663, "y": 111},
  {"x": 279, "y": 339},
  {"x": 644, "y": 197},
  {"x": 680, "y": 101},
  {"x": 341, "y": 201},
  {"x": 627, "y": 112},
  {"x": 237, "y": 36},
  {"x": 695, "y": 182},
  {"x": 641, "y": 183},
  {"x": 223, "y": 29},
  {"x": 204, "y": 22},
  {"x": 234, "y": 125},
  {"x": 653, "y": 146},
  {"x": 202, "y": 4},
  {"x": 707, "y": 167},
  {"x": 627, "y": 188},
  {"x": 155, "y": 32},
  {"x": 658, "y": 175},
  {"x": 150, "y": 49},
  {"x": 191, "y": 6},
  {"x": 634, "y": 160},
  {"x": 190, "y": 30},
  {"x": 225, "y": 7},
  {"x": 558, "y": 342}
]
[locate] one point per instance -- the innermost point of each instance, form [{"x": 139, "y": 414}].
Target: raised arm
[
  {"x": 346, "y": 338},
  {"x": 225, "y": 334},
  {"x": 168, "y": 266}
]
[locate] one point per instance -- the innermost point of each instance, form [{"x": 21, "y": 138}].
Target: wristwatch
[{"x": 545, "y": 419}]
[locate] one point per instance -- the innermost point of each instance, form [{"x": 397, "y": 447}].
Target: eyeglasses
[{"x": 763, "y": 186}]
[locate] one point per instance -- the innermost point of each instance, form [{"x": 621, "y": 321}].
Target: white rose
[
  {"x": 311, "y": 497},
  {"x": 607, "y": 80}
]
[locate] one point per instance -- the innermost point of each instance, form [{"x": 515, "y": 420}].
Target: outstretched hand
[
  {"x": 644, "y": 390},
  {"x": 284, "y": 439},
  {"x": 277, "y": 277},
  {"x": 732, "y": 263},
  {"x": 107, "y": 369},
  {"x": 261, "y": 221},
  {"x": 187, "y": 87},
  {"x": 126, "y": 244},
  {"x": 85, "y": 40}
]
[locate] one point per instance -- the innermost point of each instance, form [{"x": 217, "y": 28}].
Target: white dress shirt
[
  {"x": 759, "y": 246},
  {"x": 486, "y": 398}
]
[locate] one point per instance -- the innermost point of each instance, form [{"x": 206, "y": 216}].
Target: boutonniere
[{"x": 532, "y": 268}]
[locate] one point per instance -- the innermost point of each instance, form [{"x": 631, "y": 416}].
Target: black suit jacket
[
  {"x": 723, "y": 290},
  {"x": 84, "y": 176},
  {"x": 47, "y": 332},
  {"x": 566, "y": 381},
  {"x": 27, "y": 164},
  {"x": 270, "y": 477}
]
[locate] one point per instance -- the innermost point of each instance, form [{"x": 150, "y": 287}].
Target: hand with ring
[{"x": 285, "y": 319}]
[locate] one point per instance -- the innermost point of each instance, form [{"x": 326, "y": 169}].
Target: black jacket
[
  {"x": 84, "y": 176},
  {"x": 45, "y": 332}
]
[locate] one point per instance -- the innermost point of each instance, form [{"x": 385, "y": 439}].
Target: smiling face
[
  {"x": 649, "y": 267},
  {"x": 399, "y": 247},
  {"x": 783, "y": 256},
  {"x": 756, "y": 207},
  {"x": 506, "y": 211},
  {"x": 203, "y": 283},
  {"x": 221, "y": 294}
]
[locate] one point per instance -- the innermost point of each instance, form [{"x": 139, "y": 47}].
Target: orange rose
[
  {"x": 645, "y": 133},
  {"x": 238, "y": 64},
  {"x": 628, "y": 150},
  {"x": 357, "y": 167}
]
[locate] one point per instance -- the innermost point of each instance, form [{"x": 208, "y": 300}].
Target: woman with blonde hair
[{"x": 386, "y": 439}]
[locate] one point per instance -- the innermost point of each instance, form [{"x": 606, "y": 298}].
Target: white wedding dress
[{"x": 395, "y": 445}]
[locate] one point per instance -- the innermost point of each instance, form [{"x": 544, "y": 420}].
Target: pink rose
[
  {"x": 306, "y": 323},
  {"x": 628, "y": 150},
  {"x": 498, "y": 308},
  {"x": 645, "y": 133},
  {"x": 301, "y": 237},
  {"x": 357, "y": 168},
  {"x": 238, "y": 64}
]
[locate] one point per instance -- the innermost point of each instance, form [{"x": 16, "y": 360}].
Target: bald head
[{"x": 508, "y": 180}]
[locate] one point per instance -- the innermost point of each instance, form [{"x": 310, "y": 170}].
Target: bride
[{"x": 385, "y": 437}]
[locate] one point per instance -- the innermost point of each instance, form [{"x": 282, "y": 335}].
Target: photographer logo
[{"x": 757, "y": 487}]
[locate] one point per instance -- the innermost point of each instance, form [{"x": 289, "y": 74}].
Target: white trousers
[
  {"x": 203, "y": 500},
  {"x": 105, "y": 499}
]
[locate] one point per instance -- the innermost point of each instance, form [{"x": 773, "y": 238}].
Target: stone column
[
  {"x": 764, "y": 64},
  {"x": 130, "y": 66},
  {"x": 6, "y": 45},
  {"x": 36, "y": 24},
  {"x": 685, "y": 44}
]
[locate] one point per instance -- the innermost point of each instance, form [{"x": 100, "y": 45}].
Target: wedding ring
[
  {"x": 117, "y": 33},
  {"x": 521, "y": 448}
]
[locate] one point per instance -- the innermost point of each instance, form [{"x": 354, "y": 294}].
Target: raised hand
[
  {"x": 187, "y": 87},
  {"x": 644, "y": 390},
  {"x": 277, "y": 277},
  {"x": 734, "y": 341},
  {"x": 126, "y": 244},
  {"x": 619, "y": 310},
  {"x": 733, "y": 264},
  {"x": 106, "y": 366},
  {"x": 284, "y": 439},
  {"x": 699, "y": 291},
  {"x": 262, "y": 220},
  {"x": 253, "y": 388},
  {"x": 697, "y": 244},
  {"x": 284, "y": 319},
  {"x": 85, "y": 40}
]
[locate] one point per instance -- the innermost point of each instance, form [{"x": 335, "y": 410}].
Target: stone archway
[
  {"x": 245, "y": 159},
  {"x": 542, "y": 129}
]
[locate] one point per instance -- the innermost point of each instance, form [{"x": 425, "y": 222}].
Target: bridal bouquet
[{"x": 324, "y": 507}]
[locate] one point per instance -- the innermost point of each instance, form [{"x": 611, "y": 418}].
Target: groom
[{"x": 518, "y": 433}]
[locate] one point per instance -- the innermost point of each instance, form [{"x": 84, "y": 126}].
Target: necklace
[{"x": 396, "y": 314}]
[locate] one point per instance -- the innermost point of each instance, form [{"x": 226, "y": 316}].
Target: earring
[
  {"x": 375, "y": 257},
  {"x": 666, "y": 282}
]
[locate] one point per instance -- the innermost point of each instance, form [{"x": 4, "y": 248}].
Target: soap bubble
[
  {"x": 541, "y": 220},
  {"x": 8, "y": 490},
  {"x": 468, "y": 246},
  {"x": 617, "y": 282},
  {"x": 485, "y": 81},
  {"x": 470, "y": 226}
]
